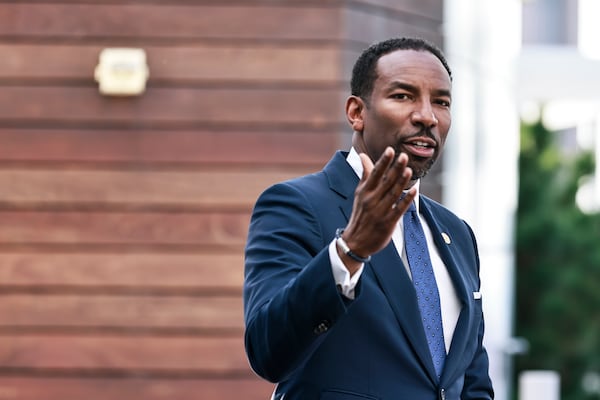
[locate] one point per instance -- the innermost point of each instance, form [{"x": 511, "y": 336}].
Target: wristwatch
[{"x": 346, "y": 250}]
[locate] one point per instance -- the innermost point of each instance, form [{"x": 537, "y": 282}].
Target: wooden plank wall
[{"x": 123, "y": 220}]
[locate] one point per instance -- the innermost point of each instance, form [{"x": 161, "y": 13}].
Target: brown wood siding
[{"x": 124, "y": 219}]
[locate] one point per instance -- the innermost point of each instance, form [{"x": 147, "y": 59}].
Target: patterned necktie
[{"x": 425, "y": 285}]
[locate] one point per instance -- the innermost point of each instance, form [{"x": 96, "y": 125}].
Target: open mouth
[{"x": 424, "y": 148}]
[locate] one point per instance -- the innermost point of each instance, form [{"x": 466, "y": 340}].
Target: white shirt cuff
[{"x": 345, "y": 283}]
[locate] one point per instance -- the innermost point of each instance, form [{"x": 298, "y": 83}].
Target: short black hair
[{"x": 364, "y": 72}]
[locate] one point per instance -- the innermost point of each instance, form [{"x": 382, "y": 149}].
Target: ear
[{"x": 354, "y": 113}]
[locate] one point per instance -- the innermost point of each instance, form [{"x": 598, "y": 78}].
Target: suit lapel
[
  {"x": 439, "y": 231},
  {"x": 447, "y": 253},
  {"x": 391, "y": 275}
]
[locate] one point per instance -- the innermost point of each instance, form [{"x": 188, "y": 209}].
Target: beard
[
  {"x": 420, "y": 166},
  {"x": 421, "y": 169}
]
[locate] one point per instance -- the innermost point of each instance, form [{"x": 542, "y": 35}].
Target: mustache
[{"x": 426, "y": 132}]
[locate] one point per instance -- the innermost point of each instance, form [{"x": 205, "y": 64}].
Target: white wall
[{"x": 483, "y": 40}]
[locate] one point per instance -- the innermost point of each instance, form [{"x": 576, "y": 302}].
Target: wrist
[{"x": 343, "y": 246}]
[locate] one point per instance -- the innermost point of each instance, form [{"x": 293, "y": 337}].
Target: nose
[{"x": 424, "y": 116}]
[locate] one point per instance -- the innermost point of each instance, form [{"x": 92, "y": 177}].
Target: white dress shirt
[{"x": 450, "y": 304}]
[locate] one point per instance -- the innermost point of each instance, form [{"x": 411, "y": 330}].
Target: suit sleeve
[{"x": 290, "y": 296}]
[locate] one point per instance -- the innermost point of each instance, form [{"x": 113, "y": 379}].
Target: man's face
[{"x": 409, "y": 109}]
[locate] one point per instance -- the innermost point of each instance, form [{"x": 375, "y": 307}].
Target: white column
[
  {"x": 535, "y": 385},
  {"x": 483, "y": 39}
]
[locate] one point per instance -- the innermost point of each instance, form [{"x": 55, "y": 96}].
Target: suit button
[{"x": 321, "y": 328}]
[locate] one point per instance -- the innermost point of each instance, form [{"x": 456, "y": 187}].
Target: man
[{"x": 336, "y": 305}]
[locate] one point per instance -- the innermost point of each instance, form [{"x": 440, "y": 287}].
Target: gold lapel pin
[{"x": 446, "y": 238}]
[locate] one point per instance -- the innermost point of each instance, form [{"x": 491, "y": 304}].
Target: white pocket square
[{"x": 477, "y": 295}]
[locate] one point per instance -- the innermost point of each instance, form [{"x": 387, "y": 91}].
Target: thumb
[{"x": 367, "y": 165}]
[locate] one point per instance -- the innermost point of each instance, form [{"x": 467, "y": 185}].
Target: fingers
[
  {"x": 373, "y": 174},
  {"x": 379, "y": 201},
  {"x": 388, "y": 177},
  {"x": 403, "y": 203},
  {"x": 397, "y": 177}
]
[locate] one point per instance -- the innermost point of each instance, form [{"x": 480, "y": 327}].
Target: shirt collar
[{"x": 354, "y": 160}]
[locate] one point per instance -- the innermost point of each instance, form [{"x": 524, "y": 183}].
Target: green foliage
[{"x": 557, "y": 264}]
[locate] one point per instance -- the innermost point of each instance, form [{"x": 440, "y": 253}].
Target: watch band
[{"x": 346, "y": 250}]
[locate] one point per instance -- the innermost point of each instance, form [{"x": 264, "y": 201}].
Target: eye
[
  {"x": 400, "y": 96},
  {"x": 443, "y": 103}
]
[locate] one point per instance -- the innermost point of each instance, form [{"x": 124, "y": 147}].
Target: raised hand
[{"x": 378, "y": 205}]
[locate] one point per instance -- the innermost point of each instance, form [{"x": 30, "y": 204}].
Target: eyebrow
[{"x": 412, "y": 88}]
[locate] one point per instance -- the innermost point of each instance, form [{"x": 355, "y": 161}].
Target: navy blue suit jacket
[{"x": 316, "y": 344}]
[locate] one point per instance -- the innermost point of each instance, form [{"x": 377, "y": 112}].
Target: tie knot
[{"x": 410, "y": 216}]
